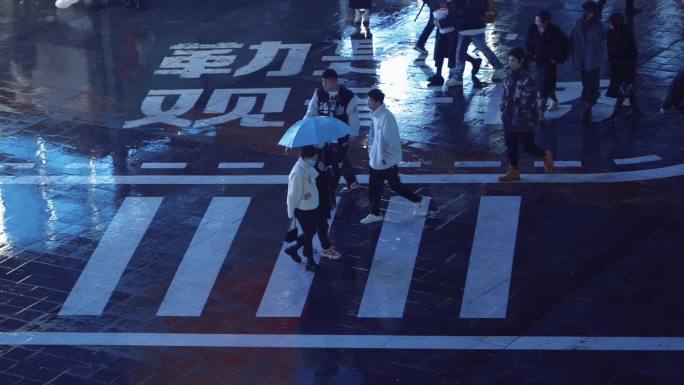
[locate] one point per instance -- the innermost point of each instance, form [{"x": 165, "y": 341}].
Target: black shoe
[
  {"x": 476, "y": 66},
  {"x": 292, "y": 252},
  {"x": 436, "y": 80},
  {"x": 311, "y": 264}
]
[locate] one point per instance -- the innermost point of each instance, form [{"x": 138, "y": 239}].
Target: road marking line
[
  {"x": 105, "y": 267},
  {"x": 225, "y": 165},
  {"x": 204, "y": 258},
  {"x": 410, "y": 164},
  {"x": 347, "y": 341},
  {"x": 491, "y": 258},
  {"x": 638, "y": 159},
  {"x": 478, "y": 163},
  {"x": 289, "y": 285},
  {"x": 164, "y": 165},
  {"x": 560, "y": 163},
  {"x": 395, "y": 255}
]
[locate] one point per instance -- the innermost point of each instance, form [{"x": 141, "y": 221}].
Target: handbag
[{"x": 292, "y": 234}]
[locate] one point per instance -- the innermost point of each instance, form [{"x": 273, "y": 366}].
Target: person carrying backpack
[{"x": 547, "y": 46}]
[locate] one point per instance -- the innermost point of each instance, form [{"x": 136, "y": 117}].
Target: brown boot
[
  {"x": 548, "y": 161},
  {"x": 511, "y": 175}
]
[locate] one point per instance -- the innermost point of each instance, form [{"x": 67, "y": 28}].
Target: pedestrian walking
[
  {"x": 445, "y": 44},
  {"x": 303, "y": 202},
  {"x": 384, "y": 152},
  {"x": 622, "y": 59},
  {"x": 519, "y": 114},
  {"x": 326, "y": 202},
  {"x": 675, "y": 94},
  {"x": 547, "y": 46},
  {"x": 427, "y": 30},
  {"x": 361, "y": 10},
  {"x": 337, "y": 101},
  {"x": 471, "y": 23},
  {"x": 588, "y": 40}
]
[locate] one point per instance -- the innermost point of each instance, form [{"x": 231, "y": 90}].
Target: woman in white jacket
[{"x": 302, "y": 201}]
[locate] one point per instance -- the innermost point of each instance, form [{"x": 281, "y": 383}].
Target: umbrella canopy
[{"x": 314, "y": 131}]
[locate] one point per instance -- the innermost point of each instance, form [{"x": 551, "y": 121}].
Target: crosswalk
[{"x": 387, "y": 286}]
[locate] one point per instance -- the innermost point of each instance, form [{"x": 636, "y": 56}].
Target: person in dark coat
[
  {"x": 445, "y": 44},
  {"x": 326, "y": 202},
  {"x": 588, "y": 41},
  {"x": 361, "y": 10},
  {"x": 519, "y": 115},
  {"x": 675, "y": 94},
  {"x": 547, "y": 46},
  {"x": 427, "y": 31},
  {"x": 622, "y": 58}
]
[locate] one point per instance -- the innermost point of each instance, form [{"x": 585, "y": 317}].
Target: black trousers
[
  {"x": 427, "y": 31},
  {"x": 513, "y": 139},
  {"x": 547, "y": 80},
  {"x": 308, "y": 222},
  {"x": 591, "y": 87},
  {"x": 346, "y": 170},
  {"x": 376, "y": 182},
  {"x": 322, "y": 228}
]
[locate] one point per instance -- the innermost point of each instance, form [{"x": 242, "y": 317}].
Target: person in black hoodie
[
  {"x": 622, "y": 57},
  {"x": 547, "y": 46},
  {"x": 675, "y": 94}
]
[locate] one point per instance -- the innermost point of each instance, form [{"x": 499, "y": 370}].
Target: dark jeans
[
  {"x": 591, "y": 87},
  {"x": 527, "y": 140},
  {"x": 427, "y": 31},
  {"x": 322, "y": 229},
  {"x": 547, "y": 80},
  {"x": 308, "y": 220},
  {"x": 376, "y": 182},
  {"x": 347, "y": 170}
]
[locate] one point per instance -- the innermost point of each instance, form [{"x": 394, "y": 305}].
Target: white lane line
[
  {"x": 478, "y": 163},
  {"x": 289, "y": 284},
  {"x": 491, "y": 258},
  {"x": 410, "y": 164},
  {"x": 202, "y": 262},
  {"x": 491, "y": 178},
  {"x": 17, "y": 165},
  {"x": 442, "y": 99},
  {"x": 348, "y": 58},
  {"x": 560, "y": 163},
  {"x": 80, "y": 166},
  {"x": 347, "y": 341},
  {"x": 111, "y": 256},
  {"x": 395, "y": 255},
  {"x": 225, "y": 165},
  {"x": 152, "y": 165},
  {"x": 638, "y": 159}
]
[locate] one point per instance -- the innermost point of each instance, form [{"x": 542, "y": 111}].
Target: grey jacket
[{"x": 588, "y": 46}]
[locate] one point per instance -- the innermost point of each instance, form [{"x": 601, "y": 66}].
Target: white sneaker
[
  {"x": 331, "y": 253},
  {"x": 419, "y": 209},
  {"x": 498, "y": 75},
  {"x": 370, "y": 218},
  {"x": 453, "y": 82}
]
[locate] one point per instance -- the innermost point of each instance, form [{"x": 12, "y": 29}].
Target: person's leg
[
  {"x": 427, "y": 31},
  {"x": 528, "y": 144},
  {"x": 553, "y": 82},
  {"x": 307, "y": 222},
  {"x": 347, "y": 170},
  {"x": 542, "y": 83},
  {"x": 461, "y": 52},
  {"x": 481, "y": 44},
  {"x": 392, "y": 176},
  {"x": 322, "y": 229},
  {"x": 511, "y": 139},
  {"x": 375, "y": 184}
]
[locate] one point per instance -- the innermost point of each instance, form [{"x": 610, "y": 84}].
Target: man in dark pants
[
  {"x": 339, "y": 102},
  {"x": 588, "y": 40},
  {"x": 675, "y": 95},
  {"x": 427, "y": 31},
  {"x": 384, "y": 152}
]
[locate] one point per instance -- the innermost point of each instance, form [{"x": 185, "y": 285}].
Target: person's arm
[
  {"x": 294, "y": 193},
  {"x": 504, "y": 97},
  {"x": 353, "y": 114},
  {"x": 390, "y": 137},
  {"x": 312, "y": 110}
]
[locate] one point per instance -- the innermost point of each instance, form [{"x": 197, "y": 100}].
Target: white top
[
  {"x": 352, "y": 111},
  {"x": 384, "y": 142},
  {"x": 472, "y": 32},
  {"x": 302, "y": 181}
]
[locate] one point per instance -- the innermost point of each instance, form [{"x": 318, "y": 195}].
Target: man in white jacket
[
  {"x": 384, "y": 151},
  {"x": 302, "y": 201}
]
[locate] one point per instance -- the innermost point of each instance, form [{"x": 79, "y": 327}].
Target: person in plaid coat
[{"x": 520, "y": 115}]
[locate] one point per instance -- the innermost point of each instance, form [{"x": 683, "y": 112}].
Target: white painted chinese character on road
[
  {"x": 152, "y": 108},
  {"x": 194, "y": 60},
  {"x": 274, "y": 102},
  {"x": 267, "y": 52}
]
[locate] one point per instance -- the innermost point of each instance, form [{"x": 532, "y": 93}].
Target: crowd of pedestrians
[{"x": 526, "y": 98}]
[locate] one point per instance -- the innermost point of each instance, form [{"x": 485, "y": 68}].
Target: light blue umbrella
[{"x": 314, "y": 131}]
